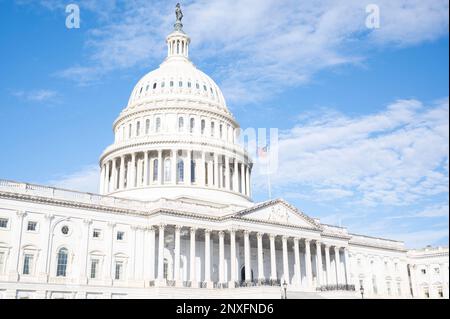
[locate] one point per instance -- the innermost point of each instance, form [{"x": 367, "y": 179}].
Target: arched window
[
  {"x": 180, "y": 170},
  {"x": 212, "y": 129},
  {"x": 189, "y": 84},
  {"x": 61, "y": 265},
  {"x": 163, "y": 84},
  {"x": 171, "y": 83},
  {"x": 180, "y": 84},
  {"x": 147, "y": 126},
  {"x": 178, "y": 46},
  {"x": 138, "y": 128},
  {"x": 192, "y": 125},
  {"x": 158, "y": 124},
  {"x": 221, "y": 130},
  {"x": 154, "y": 85},
  {"x": 167, "y": 170},
  {"x": 155, "y": 169},
  {"x": 130, "y": 128},
  {"x": 203, "y": 126},
  {"x": 197, "y": 85},
  {"x": 180, "y": 124},
  {"x": 192, "y": 171}
]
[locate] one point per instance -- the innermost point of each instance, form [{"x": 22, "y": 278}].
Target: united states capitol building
[{"x": 175, "y": 217}]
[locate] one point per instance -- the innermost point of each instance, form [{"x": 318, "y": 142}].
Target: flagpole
[{"x": 268, "y": 176}]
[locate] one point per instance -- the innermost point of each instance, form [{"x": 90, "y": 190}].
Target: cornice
[{"x": 236, "y": 149}]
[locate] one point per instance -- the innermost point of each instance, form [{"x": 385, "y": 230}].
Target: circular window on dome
[{"x": 65, "y": 230}]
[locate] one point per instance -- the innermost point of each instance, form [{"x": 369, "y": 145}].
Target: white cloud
[
  {"x": 434, "y": 211},
  {"x": 258, "y": 47},
  {"x": 84, "y": 180},
  {"x": 421, "y": 238},
  {"x": 395, "y": 157},
  {"x": 41, "y": 95}
]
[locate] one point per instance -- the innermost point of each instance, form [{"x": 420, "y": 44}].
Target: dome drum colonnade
[{"x": 176, "y": 131}]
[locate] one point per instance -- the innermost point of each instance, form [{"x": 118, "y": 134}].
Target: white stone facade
[{"x": 175, "y": 218}]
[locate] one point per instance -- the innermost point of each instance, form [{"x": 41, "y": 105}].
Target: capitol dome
[{"x": 176, "y": 137}]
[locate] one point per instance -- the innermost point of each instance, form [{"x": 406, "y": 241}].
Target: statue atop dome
[{"x": 179, "y": 15}]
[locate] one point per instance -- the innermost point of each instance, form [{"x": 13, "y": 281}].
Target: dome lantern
[{"x": 178, "y": 41}]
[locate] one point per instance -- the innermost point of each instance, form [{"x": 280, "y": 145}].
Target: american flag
[{"x": 262, "y": 151}]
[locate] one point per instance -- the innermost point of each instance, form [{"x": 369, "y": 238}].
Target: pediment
[{"x": 279, "y": 212}]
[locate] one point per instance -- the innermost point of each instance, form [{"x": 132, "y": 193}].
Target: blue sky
[{"x": 362, "y": 113}]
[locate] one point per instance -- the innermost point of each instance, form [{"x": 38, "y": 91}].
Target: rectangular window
[
  {"x": 437, "y": 270},
  {"x": 27, "y": 264},
  {"x": 120, "y": 235},
  {"x": 32, "y": 226},
  {"x": 399, "y": 289},
  {"x": 96, "y": 233},
  {"x": 3, "y": 223},
  {"x": 119, "y": 270},
  {"x": 423, "y": 271},
  {"x": 440, "y": 292},
  {"x": 138, "y": 128},
  {"x": 94, "y": 268}
]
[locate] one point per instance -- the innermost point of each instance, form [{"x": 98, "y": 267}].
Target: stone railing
[
  {"x": 336, "y": 287},
  {"x": 259, "y": 283},
  {"x": 105, "y": 200}
]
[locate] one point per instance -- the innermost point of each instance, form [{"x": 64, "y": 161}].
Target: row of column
[
  {"x": 175, "y": 167},
  {"x": 322, "y": 279}
]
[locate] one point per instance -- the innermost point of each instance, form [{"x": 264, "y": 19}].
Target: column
[
  {"x": 328, "y": 264},
  {"x": 248, "y": 276},
  {"x": 227, "y": 173},
  {"x": 285, "y": 261},
  {"x": 235, "y": 176},
  {"x": 122, "y": 172},
  {"x": 84, "y": 248},
  {"x": 221, "y": 257},
  {"x": 260, "y": 257},
  {"x": 273, "y": 264},
  {"x": 208, "y": 257},
  {"x": 107, "y": 180},
  {"x": 145, "y": 168},
  {"x": 109, "y": 255},
  {"x": 152, "y": 243},
  {"x": 102, "y": 178},
  {"x": 160, "y": 168},
  {"x": 320, "y": 279},
  {"x": 247, "y": 180},
  {"x": 233, "y": 256},
  {"x": 187, "y": 170},
  {"x": 45, "y": 242},
  {"x": 308, "y": 263},
  {"x": 174, "y": 167},
  {"x": 216, "y": 170},
  {"x": 338, "y": 263},
  {"x": 114, "y": 175},
  {"x": 298, "y": 274},
  {"x": 202, "y": 170},
  {"x": 133, "y": 170},
  {"x": 176, "y": 271},
  {"x": 132, "y": 262},
  {"x": 17, "y": 228},
  {"x": 347, "y": 267},
  {"x": 242, "y": 179},
  {"x": 161, "y": 254},
  {"x": 192, "y": 261}
]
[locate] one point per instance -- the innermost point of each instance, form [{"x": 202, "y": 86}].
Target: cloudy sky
[{"x": 362, "y": 113}]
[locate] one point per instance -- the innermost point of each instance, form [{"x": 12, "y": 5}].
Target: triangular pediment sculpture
[{"x": 279, "y": 212}]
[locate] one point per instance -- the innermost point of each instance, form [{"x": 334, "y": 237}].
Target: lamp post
[
  {"x": 361, "y": 290},
  {"x": 285, "y": 289}
]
